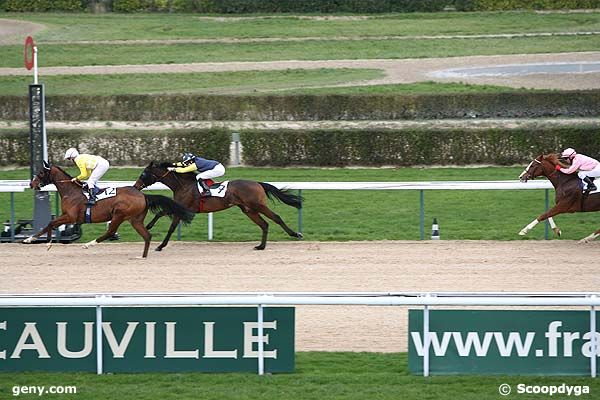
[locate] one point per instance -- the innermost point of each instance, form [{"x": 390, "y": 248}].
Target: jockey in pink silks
[{"x": 586, "y": 167}]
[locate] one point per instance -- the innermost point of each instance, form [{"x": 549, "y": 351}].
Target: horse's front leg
[
  {"x": 174, "y": 224},
  {"x": 547, "y": 215},
  {"x": 591, "y": 237},
  {"x": 62, "y": 219}
]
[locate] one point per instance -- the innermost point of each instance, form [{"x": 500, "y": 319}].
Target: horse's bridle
[
  {"x": 158, "y": 178},
  {"x": 526, "y": 172}
]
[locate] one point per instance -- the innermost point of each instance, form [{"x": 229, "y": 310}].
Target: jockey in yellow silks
[{"x": 91, "y": 167}]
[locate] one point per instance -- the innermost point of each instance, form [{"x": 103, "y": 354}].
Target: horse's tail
[
  {"x": 168, "y": 206},
  {"x": 282, "y": 195}
]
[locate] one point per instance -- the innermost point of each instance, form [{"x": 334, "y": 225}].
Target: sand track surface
[{"x": 526, "y": 265}]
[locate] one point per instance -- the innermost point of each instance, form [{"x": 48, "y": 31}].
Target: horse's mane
[
  {"x": 555, "y": 159},
  {"x": 61, "y": 170}
]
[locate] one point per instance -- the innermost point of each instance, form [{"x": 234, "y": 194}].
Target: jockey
[
  {"x": 91, "y": 167},
  {"x": 587, "y": 167},
  {"x": 204, "y": 169}
]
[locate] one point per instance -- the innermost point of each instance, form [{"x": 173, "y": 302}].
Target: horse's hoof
[
  {"x": 557, "y": 232},
  {"x": 89, "y": 244},
  {"x": 48, "y": 246},
  {"x": 159, "y": 248},
  {"x": 259, "y": 247},
  {"x": 28, "y": 240},
  {"x": 299, "y": 235},
  {"x": 522, "y": 233}
]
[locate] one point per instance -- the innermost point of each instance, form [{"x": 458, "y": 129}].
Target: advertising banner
[
  {"x": 515, "y": 342},
  {"x": 138, "y": 339}
]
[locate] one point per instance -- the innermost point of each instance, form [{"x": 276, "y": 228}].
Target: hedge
[
  {"x": 500, "y": 5},
  {"x": 309, "y": 107},
  {"x": 119, "y": 147},
  {"x": 411, "y": 147},
  {"x": 43, "y": 5},
  {"x": 322, "y": 148},
  {"x": 290, "y": 6}
]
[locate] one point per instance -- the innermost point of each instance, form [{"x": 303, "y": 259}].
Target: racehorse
[
  {"x": 129, "y": 204},
  {"x": 249, "y": 196},
  {"x": 569, "y": 196}
]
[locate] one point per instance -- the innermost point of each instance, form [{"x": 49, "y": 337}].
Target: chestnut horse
[
  {"x": 249, "y": 196},
  {"x": 129, "y": 204},
  {"x": 569, "y": 195}
]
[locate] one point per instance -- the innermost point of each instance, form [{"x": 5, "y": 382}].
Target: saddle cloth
[
  {"x": 217, "y": 189},
  {"x": 104, "y": 193}
]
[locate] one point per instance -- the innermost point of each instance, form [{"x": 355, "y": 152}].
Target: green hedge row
[
  {"x": 43, "y": 5},
  {"x": 324, "y": 148},
  {"x": 308, "y": 107},
  {"x": 119, "y": 147},
  {"x": 290, "y": 6},
  {"x": 499, "y": 5},
  {"x": 412, "y": 147}
]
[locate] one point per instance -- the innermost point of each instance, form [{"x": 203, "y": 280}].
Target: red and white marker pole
[{"x": 30, "y": 57}]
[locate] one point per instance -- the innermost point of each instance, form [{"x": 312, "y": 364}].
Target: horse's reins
[{"x": 158, "y": 178}]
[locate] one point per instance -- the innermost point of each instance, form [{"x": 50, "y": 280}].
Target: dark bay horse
[
  {"x": 569, "y": 196},
  {"x": 249, "y": 196},
  {"x": 129, "y": 204}
]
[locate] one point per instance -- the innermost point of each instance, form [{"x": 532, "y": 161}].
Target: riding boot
[
  {"x": 590, "y": 184},
  {"x": 92, "y": 191},
  {"x": 206, "y": 192}
]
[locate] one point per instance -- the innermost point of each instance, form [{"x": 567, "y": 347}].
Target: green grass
[
  {"x": 248, "y": 82},
  {"x": 318, "y": 375},
  {"x": 409, "y": 88},
  {"x": 70, "y": 27},
  {"x": 115, "y": 54},
  {"x": 331, "y": 215}
]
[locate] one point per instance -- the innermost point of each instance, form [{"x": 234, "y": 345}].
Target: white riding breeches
[
  {"x": 594, "y": 173},
  {"x": 101, "y": 168},
  {"x": 218, "y": 170}
]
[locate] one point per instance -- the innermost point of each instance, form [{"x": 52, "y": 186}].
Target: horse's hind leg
[
  {"x": 156, "y": 218},
  {"x": 264, "y": 226},
  {"x": 138, "y": 225},
  {"x": 116, "y": 221},
  {"x": 174, "y": 224},
  {"x": 591, "y": 237},
  {"x": 277, "y": 219}
]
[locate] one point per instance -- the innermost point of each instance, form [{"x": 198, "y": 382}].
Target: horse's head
[
  {"x": 44, "y": 177},
  {"x": 542, "y": 165},
  {"x": 153, "y": 173}
]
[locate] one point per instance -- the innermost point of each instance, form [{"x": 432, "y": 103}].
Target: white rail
[
  {"x": 426, "y": 300},
  {"x": 439, "y": 185},
  {"x": 6, "y": 185}
]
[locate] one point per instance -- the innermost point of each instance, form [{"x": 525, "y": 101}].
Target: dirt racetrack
[{"x": 526, "y": 265}]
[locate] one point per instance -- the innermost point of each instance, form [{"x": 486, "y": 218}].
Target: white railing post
[
  {"x": 210, "y": 226},
  {"x": 426, "y": 338},
  {"x": 99, "y": 352},
  {"x": 594, "y": 342},
  {"x": 261, "y": 347}
]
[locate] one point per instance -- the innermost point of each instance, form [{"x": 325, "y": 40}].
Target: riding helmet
[
  {"x": 71, "y": 153},
  {"x": 568, "y": 153},
  {"x": 187, "y": 157}
]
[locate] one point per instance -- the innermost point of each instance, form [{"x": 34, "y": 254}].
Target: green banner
[
  {"x": 137, "y": 339},
  {"x": 503, "y": 342}
]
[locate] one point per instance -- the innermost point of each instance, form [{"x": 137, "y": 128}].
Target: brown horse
[
  {"x": 569, "y": 196},
  {"x": 249, "y": 196},
  {"x": 129, "y": 204}
]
